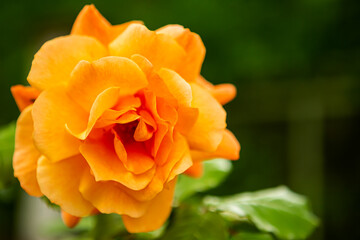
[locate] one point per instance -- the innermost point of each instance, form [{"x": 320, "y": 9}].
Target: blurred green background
[{"x": 295, "y": 63}]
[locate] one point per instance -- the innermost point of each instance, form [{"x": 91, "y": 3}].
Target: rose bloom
[{"x": 113, "y": 115}]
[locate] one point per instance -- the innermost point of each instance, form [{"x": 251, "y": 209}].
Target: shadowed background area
[{"x": 296, "y": 65}]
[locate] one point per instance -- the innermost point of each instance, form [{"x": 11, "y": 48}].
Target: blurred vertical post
[{"x": 305, "y": 149}]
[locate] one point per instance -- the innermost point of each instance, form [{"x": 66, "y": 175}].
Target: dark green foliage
[
  {"x": 278, "y": 211},
  {"x": 196, "y": 223},
  {"x": 7, "y": 139},
  {"x": 215, "y": 171},
  {"x": 252, "y": 236}
]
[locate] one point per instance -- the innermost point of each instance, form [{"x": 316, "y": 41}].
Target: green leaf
[
  {"x": 150, "y": 235},
  {"x": 215, "y": 172},
  {"x": 109, "y": 226},
  {"x": 49, "y": 203},
  {"x": 56, "y": 229},
  {"x": 252, "y": 236},
  {"x": 276, "y": 210},
  {"x": 7, "y": 139},
  {"x": 193, "y": 223}
]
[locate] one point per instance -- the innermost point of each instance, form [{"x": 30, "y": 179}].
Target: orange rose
[{"x": 114, "y": 115}]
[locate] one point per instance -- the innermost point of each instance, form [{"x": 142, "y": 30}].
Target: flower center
[{"x": 126, "y": 131}]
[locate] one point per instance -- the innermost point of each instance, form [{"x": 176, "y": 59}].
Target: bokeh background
[{"x": 295, "y": 63}]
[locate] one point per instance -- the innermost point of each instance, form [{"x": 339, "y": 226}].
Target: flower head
[{"x": 114, "y": 115}]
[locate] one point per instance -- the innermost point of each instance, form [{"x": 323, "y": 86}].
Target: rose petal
[
  {"x": 111, "y": 117},
  {"x": 142, "y": 132},
  {"x": 229, "y": 148},
  {"x": 202, "y": 82},
  {"x": 109, "y": 197},
  {"x": 182, "y": 165},
  {"x": 224, "y": 93},
  {"x": 91, "y": 23},
  {"x": 177, "y": 86},
  {"x": 155, "y": 186},
  {"x": 118, "y": 29},
  {"x": 159, "y": 49},
  {"x": 120, "y": 148},
  {"x": 56, "y": 59},
  {"x": 193, "y": 46},
  {"x": 207, "y": 132},
  {"x": 26, "y": 155},
  {"x": 103, "y": 102},
  {"x": 138, "y": 160},
  {"x": 134, "y": 156},
  {"x": 52, "y": 110},
  {"x": 123, "y": 112},
  {"x": 196, "y": 170},
  {"x": 88, "y": 80},
  {"x": 145, "y": 65},
  {"x": 178, "y": 161},
  {"x": 148, "y": 119},
  {"x": 24, "y": 96},
  {"x": 60, "y": 181},
  {"x": 166, "y": 111},
  {"x": 95, "y": 151},
  {"x": 157, "y": 212},
  {"x": 163, "y": 142},
  {"x": 187, "y": 118},
  {"x": 127, "y": 117},
  {"x": 69, "y": 220}
]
